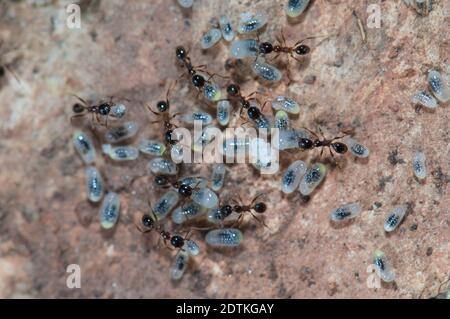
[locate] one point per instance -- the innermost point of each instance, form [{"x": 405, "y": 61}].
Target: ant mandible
[{"x": 307, "y": 144}]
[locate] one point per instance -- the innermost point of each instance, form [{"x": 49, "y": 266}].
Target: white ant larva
[
  {"x": 202, "y": 116},
  {"x": 211, "y": 91},
  {"x": 84, "y": 146},
  {"x": 234, "y": 146},
  {"x": 251, "y": 22},
  {"x": 262, "y": 122},
  {"x": 438, "y": 87},
  {"x": 191, "y": 247},
  {"x": 210, "y": 38},
  {"x": 292, "y": 176},
  {"x": 223, "y": 112},
  {"x": 395, "y": 217},
  {"x": 312, "y": 178},
  {"x": 224, "y": 237},
  {"x": 94, "y": 184},
  {"x": 356, "y": 148},
  {"x": 162, "y": 166},
  {"x": 205, "y": 197},
  {"x": 424, "y": 99},
  {"x": 294, "y": 8},
  {"x": 281, "y": 120},
  {"x": 118, "y": 111},
  {"x": 419, "y": 165},
  {"x": 109, "y": 211},
  {"x": 345, "y": 212},
  {"x": 120, "y": 153},
  {"x": 226, "y": 28},
  {"x": 266, "y": 71},
  {"x": 286, "y": 104},
  {"x": 218, "y": 176},
  {"x": 193, "y": 182},
  {"x": 205, "y": 138},
  {"x": 289, "y": 139},
  {"x": 382, "y": 266},
  {"x": 261, "y": 155},
  {"x": 121, "y": 132},
  {"x": 165, "y": 204},
  {"x": 179, "y": 265},
  {"x": 151, "y": 147},
  {"x": 187, "y": 212},
  {"x": 186, "y": 3},
  {"x": 245, "y": 48}
]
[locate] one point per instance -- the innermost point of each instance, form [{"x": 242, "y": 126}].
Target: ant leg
[
  {"x": 76, "y": 116},
  {"x": 321, "y": 152},
  {"x": 216, "y": 74},
  {"x": 259, "y": 220},
  {"x": 338, "y": 137},
  {"x": 310, "y": 132},
  {"x": 81, "y": 100},
  {"x": 150, "y": 109},
  {"x": 142, "y": 231},
  {"x": 255, "y": 198}
]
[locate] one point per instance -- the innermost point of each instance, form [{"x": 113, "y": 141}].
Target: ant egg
[
  {"x": 224, "y": 237},
  {"x": 223, "y": 112},
  {"x": 281, "y": 120},
  {"x": 345, "y": 212},
  {"x": 244, "y": 48},
  {"x": 186, "y": 212},
  {"x": 122, "y": 132},
  {"x": 438, "y": 87},
  {"x": 419, "y": 166},
  {"x": 109, "y": 211},
  {"x": 291, "y": 178},
  {"x": 84, "y": 146},
  {"x": 285, "y": 103},
  {"x": 179, "y": 265},
  {"x": 356, "y": 148},
  {"x": 118, "y": 111},
  {"x": 205, "y": 197},
  {"x": 425, "y": 99},
  {"x": 382, "y": 266},
  {"x": 211, "y": 92},
  {"x": 295, "y": 8},
  {"x": 226, "y": 28},
  {"x": 152, "y": 147},
  {"x": 251, "y": 22},
  {"x": 312, "y": 178},
  {"x": 288, "y": 139},
  {"x": 191, "y": 247},
  {"x": 94, "y": 184},
  {"x": 165, "y": 204},
  {"x": 193, "y": 182},
  {"x": 121, "y": 153},
  {"x": 210, "y": 38},
  {"x": 218, "y": 177},
  {"x": 162, "y": 166},
  {"x": 204, "y": 117},
  {"x": 395, "y": 217},
  {"x": 266, "y": 71}
]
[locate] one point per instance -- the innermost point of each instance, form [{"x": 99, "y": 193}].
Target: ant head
[
  {"x": 147, "y": 221},
  {"x": 181, "y": 52},
  {"x": 305, "y": 143},
  {"x": 245, "y": 104},
  {"x": 104, "y": 108},
  {"x": 162, "y": 106},
  {"x": 302, "y": 49},
  {"x": 185, "y": 190},
  {"x": 339, "y": 147},
  {"x": 253, "y": 112},
  {"x": 260, "y": 207},
  {"x": 177, "y": 241},
  {"x": 198, "y": 80},
  {"x": 2, "y": 71},
  {"x": 233, "y": 89},
  {"x": 265, "y": 47},
  {"x": 161, "y": 180},
  {"x": 77, "y": 108}
]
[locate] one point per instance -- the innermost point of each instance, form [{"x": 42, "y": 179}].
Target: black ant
[
  {"x": 101, "y": 109},
  {"x": 307, "y": 144},
  {"x": 253, "y": 112},
  {"x": 183, "y": 189},
  {"x": 258, "y": 207}
]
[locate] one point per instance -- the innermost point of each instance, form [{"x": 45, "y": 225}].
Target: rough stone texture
[{"x": 128, "y": 51}]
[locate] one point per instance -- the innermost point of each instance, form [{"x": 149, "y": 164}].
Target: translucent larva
[
  {"x": 211, "y": 92},
  {"x": 345, "y": 212},
  {"x": 162, "y": 166},
  {"x": 186, "y": 212},
  {"x": 244, "y": 48},
  {"x": 179, "y": 265},
  {"x": 234, "y": 146},
  {"x": 288, "y": 139},
  {"x": 205, "y": 197},
  {"x": 205, "y": 138},
  {"x": 210, "y": 38},
  {"x": 225, "y": 237},
  {"x": 262, "y": 122},
  {"x": 195, "y": 182},
  {"x": 260, "y": 153},
  {"x": 191, "y": 247},
  {"x": 395, "y": 217},
  {"x": 84, "y": 146},
  {"x": 292, "y": 176},
  {"x": 218, "y": 177},
  {"x": 151, "y": 147},
  {"x": 186, "y": 3},
  {"x": 190, "y": 117},
  {"x": 382, "y": 266},
  {"x": 425, "y": 99},
  {"x": 286, "y": 104},
  {"x": 438, "y": 87},
  {"x": 419, "y": 165},
  {"x": 312, "y": 178},
  {"x": 94, "y": 184},
  {"x": 118, "y": 111},
  {"x": 226, "y": 28},
  {"x": 281, "y": 120},
  {"x": 176, "y": 153},
  {"x": 223, "y": 112},
  {"x": 109, "y": 211},
  {"x": 165, "y": 204},
  {"x": 121, "y": 153},
  {"x": 122, "y": 132},
  {"x": 251, "y": 22},
  {"x": 295, "y": 8},
  {"x": 356, "y": 148},
  {"x": 266, "y": 71}
]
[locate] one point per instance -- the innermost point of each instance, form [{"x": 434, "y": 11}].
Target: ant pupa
[
  {"x": 84, "y": 147},
  {"x": 440, "y": 90},
  {"x": 307, "y": 143},
  {"x": 395, "y": 217},
  {"x": 419, "y": 165},
  {"x": 186, "y": 212},
  {"x": 312, "y": 178},
  {"x": 223, "y": 112},
  {"x": 122, "y": 132},
  {"x": 244, "y": 48},
  {"x": 94, "y": 184},
  {"x": 424, "y": 99},
  {"x": 165, "y": 204},
  {"x": 120, "y": 153},
  {"x": 103, "y": 109},
  {"x": 197, "y": 115},
  {"x": 345, "y": 212},
  {"x": 179, "y": 265},
  {"x": 356, "y": 148},
  {"x": 266, "y": 71},
  {"x": 292, "y": 176},
  {"x": 281, "y": 120},
  {"x": 294, "y": 8},
  {"x": 286, "y": 104},
  {"x": 251, "y": 22},
  {"x": 151, "y": 147},
  {"x": 162, "y": 166},
  {"x": 205, "y": 197},
  {"x": 210, "y": 38},
  {"x": 226, "y": 28},
  {"x": 218, "y": 176},
  {"x": 109, "y": 210},
  {"x": 224, "y": 237},
  {"x": 382, "y": 266},
  {"x": 186, "y": 3}
]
